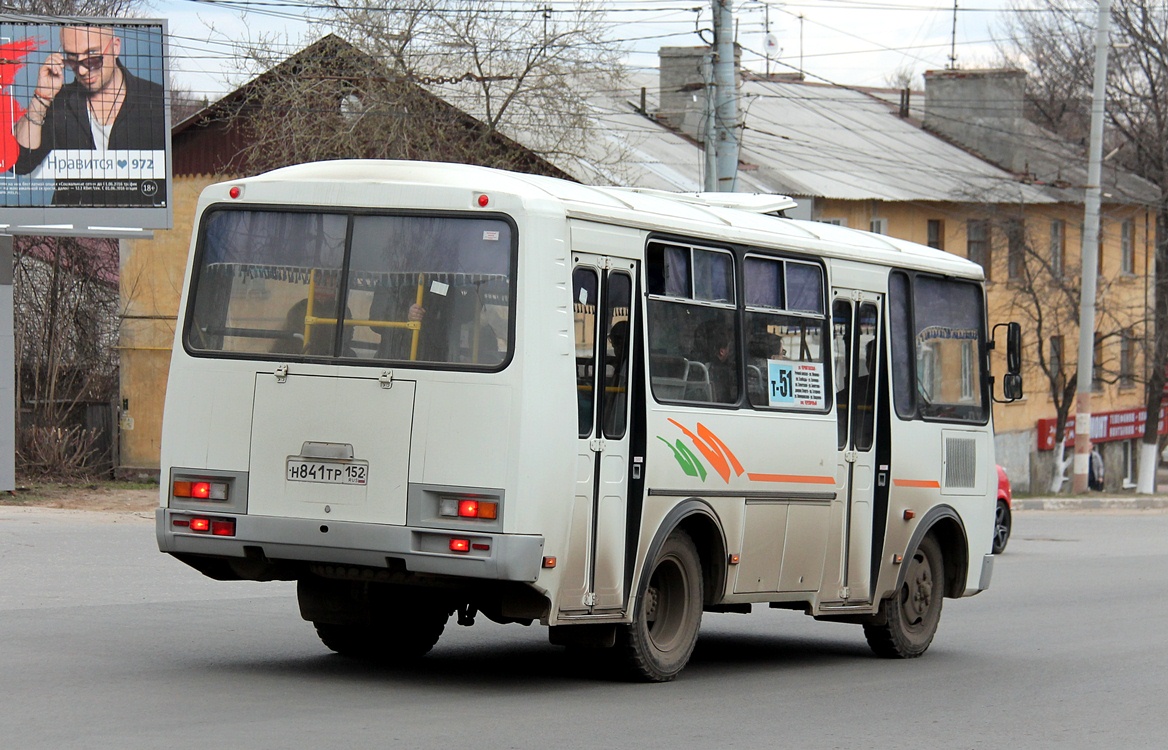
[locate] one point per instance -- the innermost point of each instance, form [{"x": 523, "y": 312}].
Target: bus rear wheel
[
  {"x": 905, "y": 625},
  {"x": 401, "y": 632},
  {"x": 667, "y": 615}
]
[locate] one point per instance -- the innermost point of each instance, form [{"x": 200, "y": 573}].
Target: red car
[{"x": 1002, "y": 516}]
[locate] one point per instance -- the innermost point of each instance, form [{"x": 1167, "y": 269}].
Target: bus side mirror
[
  {"x": 1012, "y": 386},
  {"x": 1014, "y": 351},
  {"x": 1012, "y": 380}
]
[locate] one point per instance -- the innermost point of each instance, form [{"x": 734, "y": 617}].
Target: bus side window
[
  {"x": 841, "y": 323},
  {"x": 692, "y": 320},
  {"x": 615, "y": 397},
  {"x": 865, "y": 376},
  {"x": 585, "y": 291}
]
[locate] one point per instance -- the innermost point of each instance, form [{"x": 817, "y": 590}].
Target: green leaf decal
[{"x": 690, "y": 464}]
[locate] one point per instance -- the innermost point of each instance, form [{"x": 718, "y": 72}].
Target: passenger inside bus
[
  {"x": 865, "y": 405},
  {"x": 866, "y": 396},
  {"x": 714, "y": 346},
  {"x": 762, "y": 347},
  {"x": 616, "y": 378},
  {"x": 315, "y": 339},
  {"x": 399, "y": 304},
  {"x": 449, "y": 317}
]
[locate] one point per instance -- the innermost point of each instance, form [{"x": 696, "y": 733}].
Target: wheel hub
[
  {"x": 651, "y": 598},
  {"x": 922, "y": 596}
]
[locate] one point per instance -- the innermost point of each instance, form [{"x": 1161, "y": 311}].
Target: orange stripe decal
[
  {"x": 790, "y": 478},
  {"x": 712, "y": 450},
  {"x": 705, "y": 433},
  {"x": 930, "y": 484}
]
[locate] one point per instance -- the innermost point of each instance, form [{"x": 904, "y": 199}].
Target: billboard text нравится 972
[{"x": 84, "y": 126}]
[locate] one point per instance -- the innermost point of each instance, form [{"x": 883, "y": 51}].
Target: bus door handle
[
  {"x": 596, "y": 445},
  {"x": 281, "y": 373}
]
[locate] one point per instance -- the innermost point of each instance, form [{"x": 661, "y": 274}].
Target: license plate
[{"x": 327, "y": 472}]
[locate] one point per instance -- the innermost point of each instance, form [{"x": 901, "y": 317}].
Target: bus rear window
[{"x": 376, "y": 288}]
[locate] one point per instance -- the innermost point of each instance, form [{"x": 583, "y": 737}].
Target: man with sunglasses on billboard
[{"x": 104, "y": 108}]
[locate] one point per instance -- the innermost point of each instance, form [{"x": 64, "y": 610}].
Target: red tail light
[
  {"x": 200, "y": 490},
  {"x": 216, "y": 526},
  {"x": 460, "y": 545},
  {"x": 468, "y": 508},
  {"x": 224, "y": 527}
]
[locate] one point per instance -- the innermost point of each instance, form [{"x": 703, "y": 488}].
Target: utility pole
[
  {"x": 725, "y": 97},
  {"x": 709, "y": 129},
  {"x": 1090, "y": 259}
]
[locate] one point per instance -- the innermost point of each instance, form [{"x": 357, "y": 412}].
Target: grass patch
[{"x": 84, "y": 495}]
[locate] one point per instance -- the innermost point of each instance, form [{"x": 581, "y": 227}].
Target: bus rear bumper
[{"x": 502, "y": 557}]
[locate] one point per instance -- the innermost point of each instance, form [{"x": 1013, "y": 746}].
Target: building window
[
  {"x": 878, "y": 226},
  {"x": 1058, "y": 247},
  {"x": 1127, "y": 359},
  {"x": 977, "y": 242},
  {"x": 936, "y": 234},
  {"x": 1015, "y": 249},
  {"x": 835, "y": 222},
  {"x": 1127, "y": 246}
]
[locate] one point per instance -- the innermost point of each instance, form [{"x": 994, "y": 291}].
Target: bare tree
[
  {"x": 98, "y": 8},
  {"x": 184, "y": 102},
  {"x": 522, "y": 70},
  {"x": 1056, "y": 45},
  {"x": 334, "y": 101},
  {"x": 65, "y": 297},
  {"x": 901, "y": 78}
]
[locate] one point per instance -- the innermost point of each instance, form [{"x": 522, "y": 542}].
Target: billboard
[{"x": 84, "y": 127}]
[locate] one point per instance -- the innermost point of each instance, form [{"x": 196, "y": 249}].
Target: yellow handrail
[
  {"x": 418, "y": 328},
  {"x": 412, "y": 325}
]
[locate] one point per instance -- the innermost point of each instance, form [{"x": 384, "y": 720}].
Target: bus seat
[
  {"x": 756, "y": 384},
  {"x": 697, "y": 382},
  {"x": 668, "y": 376}
]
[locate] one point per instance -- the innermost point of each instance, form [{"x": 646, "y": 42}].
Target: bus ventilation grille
[{"x": 960, "y": 462}]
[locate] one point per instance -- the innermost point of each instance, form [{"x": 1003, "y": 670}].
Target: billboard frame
[{"x": 129, "y": 222}]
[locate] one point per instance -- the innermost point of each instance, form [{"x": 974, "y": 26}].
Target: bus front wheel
[
  {"x": 668, "y": 614},
  {"x": 904, "y": 626}
]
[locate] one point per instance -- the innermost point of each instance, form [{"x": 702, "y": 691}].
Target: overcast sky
[{"x": 854, "y": 42}]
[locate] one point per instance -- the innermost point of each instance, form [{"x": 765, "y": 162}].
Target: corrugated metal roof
[
  {"x": 834, "y": 142},
  {"x": 813, "y": 140}
]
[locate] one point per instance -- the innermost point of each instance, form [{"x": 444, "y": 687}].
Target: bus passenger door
[
  {"x": 856, "y": 318},
  {"x": 602, "y": 295}
]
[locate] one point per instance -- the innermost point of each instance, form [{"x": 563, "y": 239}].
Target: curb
[{"x": 1121, "y": 502}]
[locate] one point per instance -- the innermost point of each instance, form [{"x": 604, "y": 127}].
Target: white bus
[{"x": 379, "y": 365}]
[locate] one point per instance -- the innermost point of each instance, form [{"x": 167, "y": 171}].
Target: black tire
[
  {"x": 1003, "y": 523},
  {"x": 667, "y": 614},
  {"x": 400, "y": 636},
  {"x": 907, "y": 621}
]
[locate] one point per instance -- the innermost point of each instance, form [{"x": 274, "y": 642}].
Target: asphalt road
[{"x": 106, "y": 643}]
